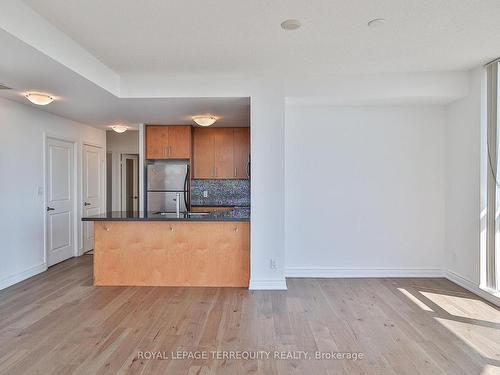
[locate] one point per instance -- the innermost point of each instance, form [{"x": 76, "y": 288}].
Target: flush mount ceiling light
[
  {"x": 119, "y": 128},
  {"x": 291, "y": 24},
  {"x": 39, "y": 99},
  {"x": 377, "y": 22},
  {"x": 205, "y": 120}
]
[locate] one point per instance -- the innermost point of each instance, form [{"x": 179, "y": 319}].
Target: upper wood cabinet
[
  {"x": 221, "y": 153},
  {"x": 179, "y": 141},
  {"x": 156, "y": 142},
  {"x": 241, "y": 152},
  {"x": 168, "y": 142},
  {"x": 203, "y": 153},
  {"x": 224, "y": 148}
]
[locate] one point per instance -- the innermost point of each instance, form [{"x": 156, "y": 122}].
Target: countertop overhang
[{"x": 233, "y": 215}]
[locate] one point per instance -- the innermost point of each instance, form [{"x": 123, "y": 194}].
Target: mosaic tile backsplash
[{"x": 221, "y": 193}]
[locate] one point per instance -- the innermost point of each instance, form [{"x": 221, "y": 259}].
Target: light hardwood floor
[{"x": 58, "y": 323}]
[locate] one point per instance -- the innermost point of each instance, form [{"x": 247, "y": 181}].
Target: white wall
[
  {"x": 23, "y": 130},
  {"x": 364, "y": 190},
  {"x": 463, "y": 203},
  {"x": 267, "y": 192},
  {"x": 117, "y": 144}
]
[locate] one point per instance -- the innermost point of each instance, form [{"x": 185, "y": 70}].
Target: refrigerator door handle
[{"x": 186, "y": 187}]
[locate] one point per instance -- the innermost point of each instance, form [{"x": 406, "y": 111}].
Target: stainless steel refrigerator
[{"x": 166, "y": 178}]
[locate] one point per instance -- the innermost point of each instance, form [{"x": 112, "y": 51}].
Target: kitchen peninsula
[
  {"x": 197, "y": 249},
  {"x": 195, "y": 230}
]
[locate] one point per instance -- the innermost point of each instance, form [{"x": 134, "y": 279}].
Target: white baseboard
[
  {"x": 363, "y": 272},
  {"x": 472, "y": 287},
  {"x": 20, "y": 276},
  {"x": 274, "y": 284}
]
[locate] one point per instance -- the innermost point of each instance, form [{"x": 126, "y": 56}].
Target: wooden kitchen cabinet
[
  {"x": 210, "y": 208},
  {"x": 203, "y": 153},
  {"x": 241, "y": 152},
  {"x": 224, "y": 153},
  {"x": 168, "y": 142},
  {"x": 156, "y": 141},
  {"x": 221, "y": 153},
  {"x": 179, "y": 140}
]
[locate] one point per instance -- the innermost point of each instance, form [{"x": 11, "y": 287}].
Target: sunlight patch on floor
[
  {"x": 463, "y": 306},
  {"x": 490, "y": 370},
  {"x": 415, "y": 300},
  {"x": 484, "y": 340}
]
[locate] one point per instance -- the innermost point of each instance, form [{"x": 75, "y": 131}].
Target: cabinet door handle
[
  {"x": 235, "y": 171},
  {"x": 164, "y": 151},
  {"x": 169, "y": 150},
  {"x": 215, "y": 171}
]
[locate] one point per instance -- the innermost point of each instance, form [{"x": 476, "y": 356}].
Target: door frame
[
  {"x": 123, "y": 157},
  {"x": 74, "y": 142},
  {"x": 102, "y": 182}
]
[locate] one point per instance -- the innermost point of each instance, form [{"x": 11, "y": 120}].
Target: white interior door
[
  {"x": 92, "y": 191},
  {"x": 59, "y": 187}
]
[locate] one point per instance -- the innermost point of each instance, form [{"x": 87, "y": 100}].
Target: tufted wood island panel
[{"x": 172, "y": 253}]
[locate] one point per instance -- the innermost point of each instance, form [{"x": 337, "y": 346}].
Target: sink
[{"x": 198, "y": 213}]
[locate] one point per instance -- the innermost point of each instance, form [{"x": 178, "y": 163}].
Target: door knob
[
  {"x": 50, "y": 209},
  {"x": 86, "y": 204}
]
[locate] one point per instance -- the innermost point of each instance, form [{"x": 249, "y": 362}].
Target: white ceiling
[
  {"x": 156, "y": 61},
  {"x": 178, "y": 36},
  {"x": 25, "y": 69}
]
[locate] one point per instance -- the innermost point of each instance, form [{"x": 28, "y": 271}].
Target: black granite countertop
[{"x": 237, "y": 214}]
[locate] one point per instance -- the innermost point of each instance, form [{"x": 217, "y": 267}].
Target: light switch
[{"x": 205, "y": 194}]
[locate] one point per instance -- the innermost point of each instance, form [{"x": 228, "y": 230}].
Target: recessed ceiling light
[
  {"x": 119, "y": 128},
  {"x": 377, "y": 22},
  {"x": 291, "y": 24},
  {"x": 205, "y": 120},
  {"x": 39, "y": 99}
]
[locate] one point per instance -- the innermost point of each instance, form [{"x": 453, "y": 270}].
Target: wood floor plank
[{"x": 58, "y": 323}]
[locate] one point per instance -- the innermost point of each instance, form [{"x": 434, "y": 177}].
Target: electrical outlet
[
  {"x": 272, "y": 264},
  {"x": 205, "y": 194}
]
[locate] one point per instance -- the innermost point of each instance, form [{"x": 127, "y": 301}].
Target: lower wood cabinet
[{"x": 210, "y": 208}]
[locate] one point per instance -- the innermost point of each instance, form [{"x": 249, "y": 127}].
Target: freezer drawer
[{"x": 164, "y": 202}]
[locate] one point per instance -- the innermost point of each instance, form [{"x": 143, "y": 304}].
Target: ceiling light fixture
[
  {"x": 39, "y": 99},
  {"x": 290, "y": 24},
  {"x": 377, "y": 22},
  {"x": 205, "y": 120},
  {"x": 119, "y": 128}
]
